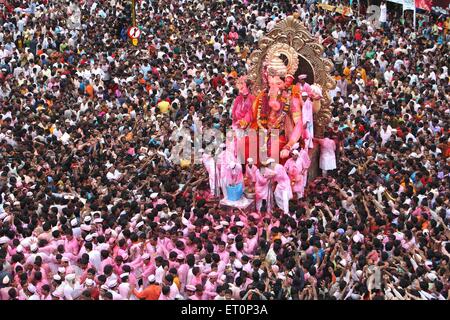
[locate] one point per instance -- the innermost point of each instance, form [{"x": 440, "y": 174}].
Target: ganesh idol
[{"x": 278, "y": 106}]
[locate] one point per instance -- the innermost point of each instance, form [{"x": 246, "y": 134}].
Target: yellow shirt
[
  {"x": 164, "y": 106},
  {"x": 347, "y": 72}
]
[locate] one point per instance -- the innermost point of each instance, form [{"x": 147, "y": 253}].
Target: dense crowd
[{"x": 95, "y": 203}]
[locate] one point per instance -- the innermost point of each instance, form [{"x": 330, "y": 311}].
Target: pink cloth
[
  {"x": 223, "y": 160},
  {"x": 250, "y": 245},
  {"x": 234, "y": 176},
  {"x": 262, "y": 184},
  {"x": 282, "y": 179},
  {"x": 294, "y": 170},
  {"x": 242, "y": 110},
  {"x": 71, "y": 246},
  {"x": 210, "y": 289},
  {"x": 306, "y": 163},
  {"x": 305, "y": 87}
]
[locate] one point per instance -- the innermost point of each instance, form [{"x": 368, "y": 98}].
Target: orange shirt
[
  {"x": 233, "y": 74},
  {"x": 90, "y": 90},
  {"x": 152, "y": 292}
]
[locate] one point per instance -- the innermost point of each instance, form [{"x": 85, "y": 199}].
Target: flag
[{"x": 424, "y": 4}]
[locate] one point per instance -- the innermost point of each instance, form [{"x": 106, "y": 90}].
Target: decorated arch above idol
[{"x": 284, "y": 96}]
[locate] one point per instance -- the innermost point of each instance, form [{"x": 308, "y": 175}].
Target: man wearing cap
[
  {"x": 5, "y": 285},
  {"x": 76, "y": 230},
  {"x": 283, "y": 190},
  {"x": 70, "y": 243},
  {"x": 91, "y": 286},
  {"x": 224, "y": 159},
  {"x": 250, "y": 174},
  {"x": 190, "y": 292},
  {"x": 263, "y": 185},
  {"x": 72, "y": 289},
  {"x": 199, "y": 293},
  {"x": 303, "y": 85},
  {"x": 294, "y": 170},
  {"x": 183, "y": 270},
  {"x": 307, "y": 118},
  {"x": 124, "y": 286},
  {"x": 31, "y": 292},
  {"x": 112, "y": 288},
  {"x": 151, "y": 292},
  {"x": 211, "y": 286},
  {"x": 304, "y": 159},
  {"x": 210, "y": 166}
]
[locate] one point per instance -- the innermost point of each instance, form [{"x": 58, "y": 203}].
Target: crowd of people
[{"x": 95, "y": 205}]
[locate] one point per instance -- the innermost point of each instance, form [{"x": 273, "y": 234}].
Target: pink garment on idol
[
  {"x": 242, "y": 110},
  {"x": 307, "y": 118}
]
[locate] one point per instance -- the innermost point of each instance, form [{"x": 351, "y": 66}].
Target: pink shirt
[
  {"x": 282, "y": 179},
  {"x": 105, "y": 262},
  {"x": 210, "y": 289},
  {"x": 294, "y": 171},
  {"x": 262, "y": 184},
  {"x": 250, "y": 245}
]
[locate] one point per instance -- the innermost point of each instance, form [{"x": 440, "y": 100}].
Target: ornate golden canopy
[{"x": 291, "y": 39}]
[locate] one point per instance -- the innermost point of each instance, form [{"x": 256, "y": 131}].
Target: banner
[
  {"x": 397, "y": 1},
  {"x": 409, "y": 5},
  {"x": 345, "y": 11},
  {"x": 428, "y": 5}
]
